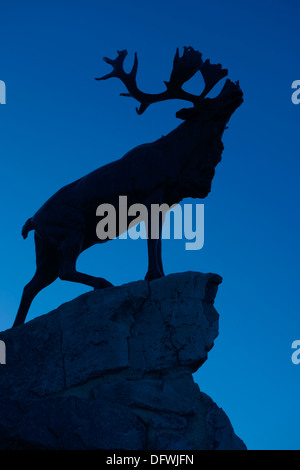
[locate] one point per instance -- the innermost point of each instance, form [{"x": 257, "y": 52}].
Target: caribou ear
[{"x": 187, "y": 113}]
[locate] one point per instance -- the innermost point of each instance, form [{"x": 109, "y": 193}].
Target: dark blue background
[{"x": 59, "y": 124}]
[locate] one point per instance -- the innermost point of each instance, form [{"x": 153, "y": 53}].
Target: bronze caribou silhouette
[{"x": 174, "y": 167}]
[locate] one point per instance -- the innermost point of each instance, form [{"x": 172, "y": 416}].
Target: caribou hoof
[
  {"x": 102, "y": 284},
  {"x": 151, "y": 275}
]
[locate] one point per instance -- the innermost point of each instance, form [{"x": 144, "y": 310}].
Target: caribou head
[{"x": 197, "y": 141}]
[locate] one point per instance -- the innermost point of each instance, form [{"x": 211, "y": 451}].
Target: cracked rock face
[{"x": 113, "y": 369}]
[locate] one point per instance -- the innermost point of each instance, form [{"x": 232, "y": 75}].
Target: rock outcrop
[{"x": 113, "y": 369}]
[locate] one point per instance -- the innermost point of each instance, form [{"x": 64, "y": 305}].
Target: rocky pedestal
[{"x": 113, "y": 369}]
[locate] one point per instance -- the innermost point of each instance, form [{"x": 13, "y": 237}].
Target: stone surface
[{"x": 113, "y": 369}]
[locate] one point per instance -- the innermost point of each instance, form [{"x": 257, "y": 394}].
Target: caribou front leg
[{"x": 155, "y": 268}]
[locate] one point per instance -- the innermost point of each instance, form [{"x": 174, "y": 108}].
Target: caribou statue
[{"x": 177, "y": 166}]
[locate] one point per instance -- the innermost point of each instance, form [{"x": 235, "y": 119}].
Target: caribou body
[{"x": 179, "y": 165}]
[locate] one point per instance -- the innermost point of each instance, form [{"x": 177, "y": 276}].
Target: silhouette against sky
[{"x": 59, "y": 124}]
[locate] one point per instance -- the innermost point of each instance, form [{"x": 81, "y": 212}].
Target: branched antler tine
[
  {"x": 184, "y": 68},
  {"x": 129, "y": 79},
  {"x": 105, "y": 77},
  {"x": 131, "y": 76},
  {"x": 142, "y": 108},
  {"x": 108, "y": 61},
  {"x": 134, "y": 67},
  {"x": 212, "y": 74},
  {"x": 117, "y": 65},
  {"x": 176, "y": 58}
]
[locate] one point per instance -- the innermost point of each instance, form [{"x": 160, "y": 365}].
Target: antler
[{"x": 183, "y": 70}]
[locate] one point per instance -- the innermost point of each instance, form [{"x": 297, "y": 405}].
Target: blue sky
[{"x": 59, "y": 124}]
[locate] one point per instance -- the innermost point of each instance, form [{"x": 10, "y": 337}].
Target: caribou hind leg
[
  {"x": 69, "y": 251},
  {"x": 46, "y": 273}
]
